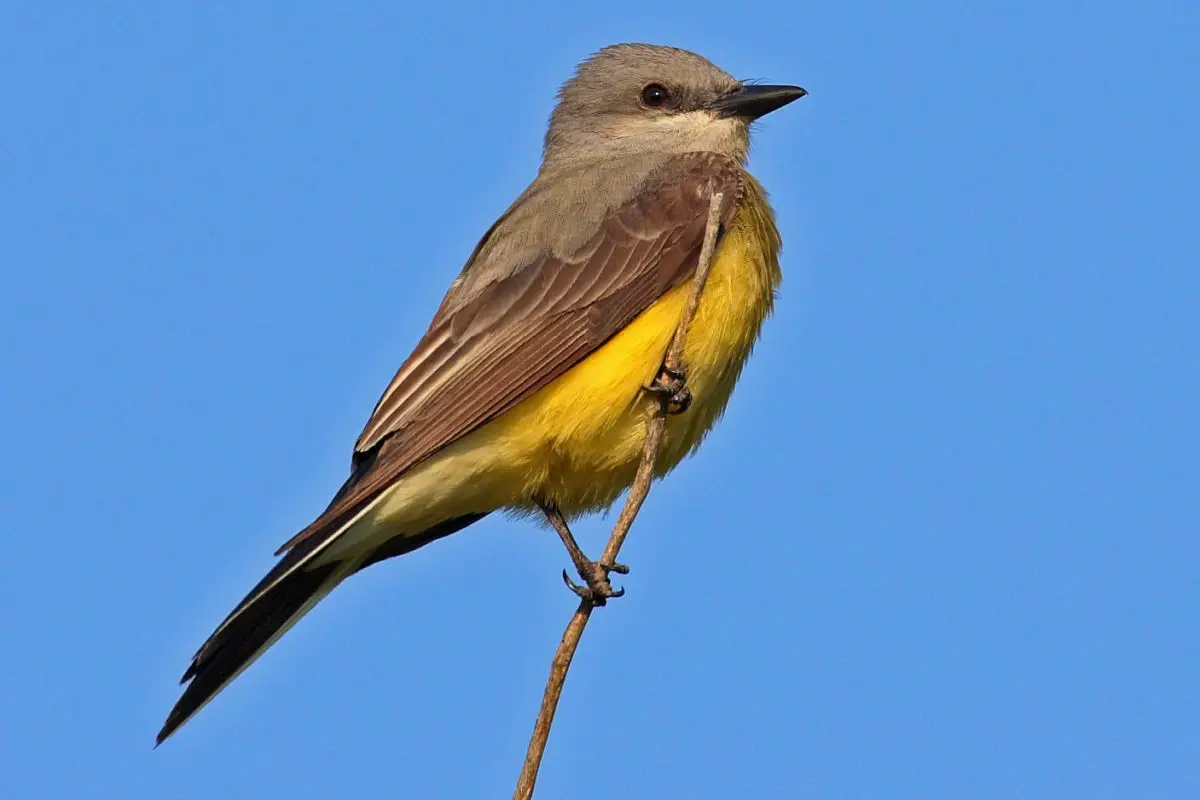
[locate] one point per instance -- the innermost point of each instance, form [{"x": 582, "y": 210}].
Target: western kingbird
[{"x": 529, "y": 386}]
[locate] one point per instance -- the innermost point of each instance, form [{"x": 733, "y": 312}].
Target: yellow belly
[
  {"x": 578, "y": 441},
  {"x": 591, "y": 423}
]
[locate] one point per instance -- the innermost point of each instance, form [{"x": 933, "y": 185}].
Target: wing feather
[{"x": 518, "y": 333}]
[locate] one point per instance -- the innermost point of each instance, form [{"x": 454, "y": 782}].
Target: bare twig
[{"x": 633, "y": 504}]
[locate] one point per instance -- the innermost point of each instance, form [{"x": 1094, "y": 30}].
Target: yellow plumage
[{"x": 578, "y": 441}]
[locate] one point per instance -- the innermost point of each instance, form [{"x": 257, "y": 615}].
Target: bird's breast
[{"x": 578, "y": 441}]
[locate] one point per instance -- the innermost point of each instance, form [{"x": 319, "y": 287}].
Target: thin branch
[{"x": 633, "y": 504}]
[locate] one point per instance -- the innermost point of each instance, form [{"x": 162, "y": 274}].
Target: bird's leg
[
  {"x": 598, "y": 588},
  {"x": 671, "y": 384}
]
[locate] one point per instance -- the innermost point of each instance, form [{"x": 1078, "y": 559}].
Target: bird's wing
[{"x": 520, "y": 332}]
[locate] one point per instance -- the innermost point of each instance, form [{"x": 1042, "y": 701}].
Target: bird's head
[{"x": 631, "y": 99}]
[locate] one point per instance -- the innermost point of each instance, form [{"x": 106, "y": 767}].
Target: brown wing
[{"x": 524, "y": 330}]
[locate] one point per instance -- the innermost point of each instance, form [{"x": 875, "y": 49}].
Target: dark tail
[
  {"x": 245, "y": 635},
  {"x": 277, "y": 603}
]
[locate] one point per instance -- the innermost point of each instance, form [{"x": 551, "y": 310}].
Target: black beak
[{"x": 753, "y": 101}]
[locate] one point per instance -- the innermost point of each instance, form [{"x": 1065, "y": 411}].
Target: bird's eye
[{"x": 655, "y": 96}]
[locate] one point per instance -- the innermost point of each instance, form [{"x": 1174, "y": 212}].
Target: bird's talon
[
  {"x": 671, "y": 384},
  {"x": 680, "y": 402},
  {"x": 581, "y": 591},
  {"x": 674, "y": 373},
  {"x": 598, "y": 588}
]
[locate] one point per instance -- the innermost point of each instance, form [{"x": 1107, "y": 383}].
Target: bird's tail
[
  {"x": 253, "y": 626},
  {"x": 284, "y": 595}
]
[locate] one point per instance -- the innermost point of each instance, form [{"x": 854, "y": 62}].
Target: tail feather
[
  {"x": 239, "y": 641},
  {"x": 284, "y": 595}
]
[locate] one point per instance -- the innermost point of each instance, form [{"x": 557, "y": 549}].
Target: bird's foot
[
  {"x": 597, "y": 588},
  {"x": 671, "y": 384}
]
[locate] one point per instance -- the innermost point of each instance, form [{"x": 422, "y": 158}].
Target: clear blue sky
[{"x": 950, "y": 523}]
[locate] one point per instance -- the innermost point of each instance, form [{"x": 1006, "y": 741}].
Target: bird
[{"x": 535, "y": 382}]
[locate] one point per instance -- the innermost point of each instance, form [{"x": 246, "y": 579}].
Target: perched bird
[{"x": 529, "y": 388}]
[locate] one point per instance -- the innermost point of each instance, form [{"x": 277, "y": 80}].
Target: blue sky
[{"x": 946, "y": 538}]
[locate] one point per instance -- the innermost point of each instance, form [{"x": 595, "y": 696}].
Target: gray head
[{"x": 639, "y": 98}]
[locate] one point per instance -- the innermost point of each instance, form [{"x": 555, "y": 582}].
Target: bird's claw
[
  {"x": 671, "y": 383},
  {"x": 597, "y": 587}
]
